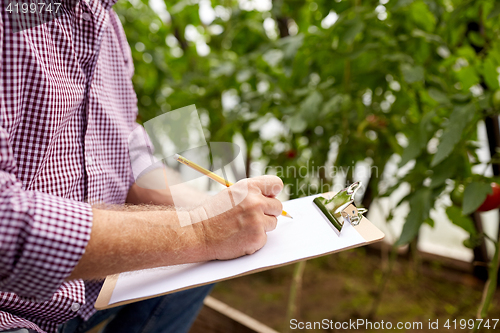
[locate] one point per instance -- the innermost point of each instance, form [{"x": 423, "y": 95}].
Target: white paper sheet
[{"x": 308, "y": 234}]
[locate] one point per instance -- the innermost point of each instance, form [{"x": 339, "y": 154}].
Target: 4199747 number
[
  {"x": 25, "y": 7},
  {"x": 469, "y": 324}
]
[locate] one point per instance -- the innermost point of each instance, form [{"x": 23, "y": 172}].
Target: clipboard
[{"x": 350, "y": 227}]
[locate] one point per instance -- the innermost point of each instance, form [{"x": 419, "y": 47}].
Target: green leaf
[
  {"x": 438, "y": 96},
  {"x": 430, "y": 222},
  {"x": 301, "y": 92},
  {"x": 468, "y": 77},
  {"x": 225, "y": 69},
  {"x": 495, "y": 11},
  {"x": 178, "y": 7},
  {"x": 464, "y": 222},
  {"x": 428, "y": 37},
  {"x": 310, "y": 106},
  {"x": 259, "y": 122},
  {"x": 443, "y": 171},
  {"x": 244, "y": 75},
  {"x": 291, "y": 45},
  {"x": 473, "y": 241},
  {"x": 355, "y": 27},
  {"x": 462, "y": 97},
  {"x": 412, "y": 150},
  {"x": 397, "y": 57},
  {"x": 476, "y": 38},
  {"x": 332, "y": 106},
  {"x": 402, "y": 3},
  {"x": 490, "y": 73},
  {"x": 418, "y": 140},
  {"x": 296, "y": 123},
  {"x": 422, "y": 16},
  {"x": 474, "y": 196},
  {"x": 273, "y": 57},
  {"x": 460, "y": 117},
  {"x": 412, "y": 74},
  {"x": 420, "y": 204}
]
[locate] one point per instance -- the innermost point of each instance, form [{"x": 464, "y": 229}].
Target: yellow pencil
[{"x": 211, "y": 175}]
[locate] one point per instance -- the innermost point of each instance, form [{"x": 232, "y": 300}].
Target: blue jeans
[{"x": 171, "y": 313}]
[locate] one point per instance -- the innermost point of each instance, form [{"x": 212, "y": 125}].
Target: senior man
[{"x": 67, "y": 107}]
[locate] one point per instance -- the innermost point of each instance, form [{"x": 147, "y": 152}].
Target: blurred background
[{"x": 403, "y": 95}]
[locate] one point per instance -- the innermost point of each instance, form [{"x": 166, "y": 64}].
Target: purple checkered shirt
[{"x": 67, "y": 107}]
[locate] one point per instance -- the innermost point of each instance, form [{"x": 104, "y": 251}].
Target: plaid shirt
[{"x": 67, "y": 107}]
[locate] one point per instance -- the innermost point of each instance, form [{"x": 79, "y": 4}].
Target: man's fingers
[
  {"x": 270, "y": 186},
  {"x": 272, "y": 206},
  {"x": 270, "y": 223}
]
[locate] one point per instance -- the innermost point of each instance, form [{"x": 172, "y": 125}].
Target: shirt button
[
  {"x": 75, "y": 307},
  {"x": 89, "y": 160},
  {"x": 86, "y": 16}
]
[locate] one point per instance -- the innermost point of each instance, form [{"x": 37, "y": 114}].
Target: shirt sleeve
[
  {"x": 1, "y": 39},
  {"x": 141, "y": 152},
  {"x": 42, "y": 237}
]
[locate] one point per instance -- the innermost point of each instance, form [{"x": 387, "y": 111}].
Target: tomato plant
[
  {"x": 457, "y": 195},
  {"x": 348, "y": 81},
  {"x": 291, "y": 154}
]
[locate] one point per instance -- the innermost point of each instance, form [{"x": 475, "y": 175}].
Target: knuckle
[
  {"x": 279, "y": 204},
  {"x": 242, "y": 185},
  {"x": 257, "y": 241},
  {"x": 259, "y": 182},
  {"x": 251, "y": 221},
  {"x": 254, "y": 224},
  {"x": 275, "y": 221},
  {"x": 253, "y": 187},
  {"x": 250, "y": 250},
  {"x": 276, "y": 206},
  {"x": 253, "y": 201},
  {"x": 243, "y": 182}
]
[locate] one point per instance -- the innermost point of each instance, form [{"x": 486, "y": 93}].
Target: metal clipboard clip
[{"x": 341, "y": 208}]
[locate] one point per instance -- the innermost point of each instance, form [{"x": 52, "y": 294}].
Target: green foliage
[
  {"x": 459, "y": 119},
  {"x": 405, "y": 81},
  {"x": 465, "y": 222},
  {"x": 474, "y": 195},
  {"x": 420, "y": 204}
]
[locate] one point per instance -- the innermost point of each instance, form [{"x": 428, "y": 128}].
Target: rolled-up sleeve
[{"x": 42, "y": 237}]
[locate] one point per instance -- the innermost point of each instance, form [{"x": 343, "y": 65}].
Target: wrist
[
  {"x": 198, "y": 214},
  {"x": 201, "y": 226}
]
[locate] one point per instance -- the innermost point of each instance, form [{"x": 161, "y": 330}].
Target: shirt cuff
[{"x": 54, "y": 235}]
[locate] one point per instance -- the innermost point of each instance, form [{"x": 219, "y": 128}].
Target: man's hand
[
  {"x": 231, "y": 224},
  {"x": 236, "y": 220}
]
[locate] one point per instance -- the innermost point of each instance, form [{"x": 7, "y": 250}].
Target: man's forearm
[{"x": 123, "y": 241}]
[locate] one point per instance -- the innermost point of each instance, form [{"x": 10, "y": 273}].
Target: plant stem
[
  {"x": 295, "y": 289},
  {"x": 383, "y": 283},
  {"x": 489, "y": 287},
  {"x": 415, "y": 257},
  {"x": 347, "y": 73}
]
